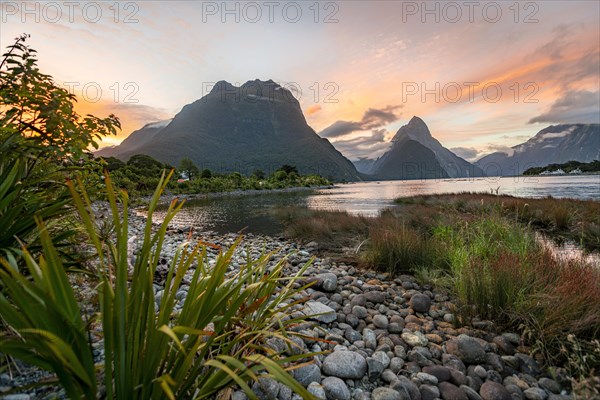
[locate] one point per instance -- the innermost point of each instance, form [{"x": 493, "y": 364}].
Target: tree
[
  {"x": 187, "y": 167},
  {"x": 288, "y": 169},
  {"x": 113, "y": 163},
  {"x": 42, "y": 141},
  {"x": 206, "y": 174},
  {"x": 259, "y": 174}
]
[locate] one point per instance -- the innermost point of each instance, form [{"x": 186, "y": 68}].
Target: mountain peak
[
  {"x": 416, "y": 121},
  {"x": 254, "y": 90},
  {"x": 416, "y": 128}
]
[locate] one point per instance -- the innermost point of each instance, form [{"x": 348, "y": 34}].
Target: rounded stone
[
  {"x": 535, "y": 394},
  {"x": 384, "y": 393},
  {"x": 360, "y": 312},
  {"x": 549, "y": 385},
  {"x": 308, "y": 374},
  {"x": 335, "y": 388},
  {"x": 327, "y": 281},
  {"x": 375, "y": 296},
  {"x": 345, "y": 365},
  {"x": 440, "y": 372},
  {"x": 380, "y": 321},
  {"x": 467, "y": 349},
  {"x": 420, "y": 303},
  {"x": 494, "y": 391},
  {"x": 449, "y": 391},
  {"x": 317, "y": 390},
  {"x": 429, "y": 392}
]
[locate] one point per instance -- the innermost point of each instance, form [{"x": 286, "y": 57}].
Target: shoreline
[
  {"x": 382, "y": 336},
  {"x": 168, "y": 197}
]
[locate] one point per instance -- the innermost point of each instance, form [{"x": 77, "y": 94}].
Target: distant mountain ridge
[
  {"x": 416, "y": 154},
  {"x": 555, "y": 144},
  {"x": 258, "y": 125}
]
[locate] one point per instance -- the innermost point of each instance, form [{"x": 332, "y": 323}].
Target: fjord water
[{"x": 255, "y": 213}]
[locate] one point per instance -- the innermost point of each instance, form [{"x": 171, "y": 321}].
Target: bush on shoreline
[{"x": 140, "y": 175}]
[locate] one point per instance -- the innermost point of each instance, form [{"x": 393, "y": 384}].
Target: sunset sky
[{"x": 482, "y": 75}]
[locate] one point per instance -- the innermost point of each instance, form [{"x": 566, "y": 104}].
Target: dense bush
[{"x": 42, "y": 140}]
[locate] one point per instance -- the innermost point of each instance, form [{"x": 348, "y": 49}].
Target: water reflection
[{"x": 255, "y": 212}]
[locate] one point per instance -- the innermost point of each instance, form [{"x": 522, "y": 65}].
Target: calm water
[{"x": 255, "y": 213}]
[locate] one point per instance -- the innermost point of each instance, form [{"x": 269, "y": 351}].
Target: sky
[{"x": 483, "y": 75}]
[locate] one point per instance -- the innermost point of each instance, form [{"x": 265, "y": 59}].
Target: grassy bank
[
  {"x": 574, "y": 220},
  {"x": 483, "y": 249}
]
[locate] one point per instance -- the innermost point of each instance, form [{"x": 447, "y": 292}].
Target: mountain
[
  {"x": 258, "y": 125},
  {"x": 415, "y": 154},
  {"x": 135, "y": 140},
  {"x": 555, "y": 144}
]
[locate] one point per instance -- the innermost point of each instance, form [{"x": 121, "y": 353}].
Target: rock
[
  {"x": 395, "y": 327},
  {"x": 317, "y": 390},
  {"x": 406, "y": 388},
  {"x": 396, "y": 364},
  {"x": 457, "y": 377},
  {"x": 427, "y": 379},
  {"x": 441, "y": 373},
  {"x": 319, "y": 312},
  {"x": 471, "y": 394},
  {"x": 383, "y": 393},
  {"x": 480, "y": 371},
  {"x": 535, "y": 393},
  {"x": 370, "y": 339},
  {"x": 380, "y": 321},
  {"x": 375, "y": 296},
  {"x": 549, "y": 385},
  {"x": 494, "y": 391},
  {"x": 266, "y": 388},
  {"x": 307, "y": 374},
  {"x": 429, "y": 392},
  {"x": 467, "y": 349},
  {"x": 239, "y": 395},
  {"x": 327, "y": 282},
  {"x": 285, "y": 393},
  {"x": 345, "y": 364},
  {"x": 528, "y": 364},
  {"x": 360, "y": 312},
  {"x": 449, "y": 391},
  {"x": 389, "y": 376},
  {"x": 420, "y": 303},
  {"x": 415, "y": 339},
  {"x": 375, "y": 368},
  {"x": 382, "y": 357},
  {"x": 335, "y": 388},
  {"x": 358, "y": 300},
  {"x": 504, "y": 345}
]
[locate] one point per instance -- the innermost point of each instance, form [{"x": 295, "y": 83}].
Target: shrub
[
  {"x": 397, "y": 248},
  {"x": 41, "y": 139},
  {"x": 216, "y": 340}
]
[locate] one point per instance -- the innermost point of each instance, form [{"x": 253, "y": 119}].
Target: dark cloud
[
  {"x": 372, "y": 119},
  {"x": 575, "y": 106},
  {"x": 364, "y": 146},
  {"x": 468, "y": 153}
]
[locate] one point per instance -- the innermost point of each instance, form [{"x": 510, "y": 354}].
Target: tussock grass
[
  {"x": 576, "y": 220},
  {"x": 483, "y": 249}
]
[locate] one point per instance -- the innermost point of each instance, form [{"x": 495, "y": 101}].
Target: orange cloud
[
  {"x": 313, "y": 109},
  {"x": 133, "y": 116}
]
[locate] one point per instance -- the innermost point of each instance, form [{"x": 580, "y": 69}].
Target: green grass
[{"x": 575, "y": 220}]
